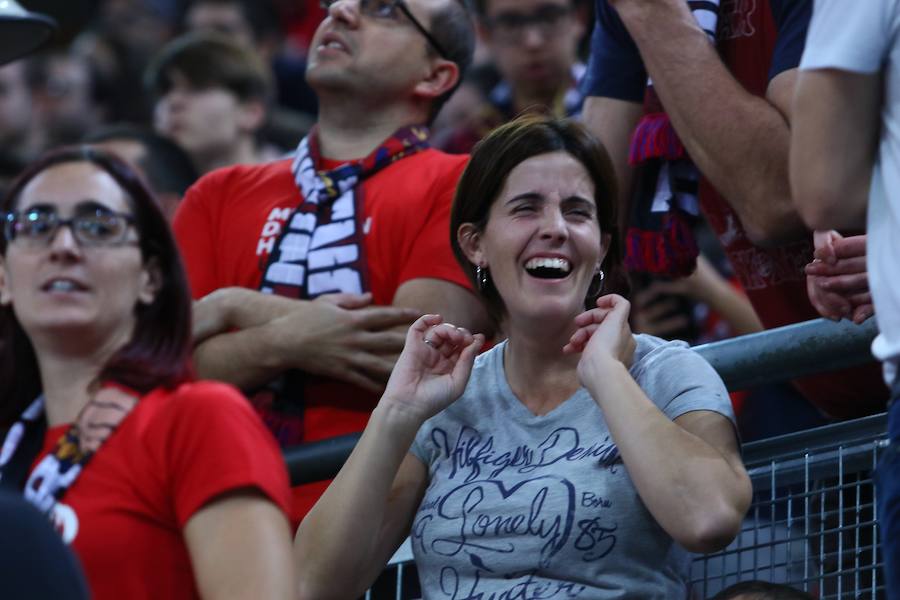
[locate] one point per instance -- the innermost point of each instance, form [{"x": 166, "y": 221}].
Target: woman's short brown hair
[{"x": 494, "y": 157}]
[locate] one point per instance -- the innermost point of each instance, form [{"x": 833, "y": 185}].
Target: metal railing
[{"x": 812, "y": 522}]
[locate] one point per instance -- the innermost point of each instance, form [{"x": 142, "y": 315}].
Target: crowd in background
[
  {"x": 721, "y": 234},
  {"x": 187, "y": 87}
]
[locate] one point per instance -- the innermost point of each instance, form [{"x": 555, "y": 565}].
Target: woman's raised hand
[
  {"x": 602, "y": 334},
  {"x": 433, "y": 368}
]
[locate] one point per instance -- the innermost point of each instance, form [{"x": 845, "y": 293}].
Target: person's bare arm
[
  {"x": 705, "y": 285},
  {"x": 453, "y": 302},
  {"x": 357, "y": 345},
  {"x": 738, "y": 141},
  {"x": 688, "y": 471},
  {"x": 833, "y": 146},
  {"x": 338, "y": 335},
  {"x": 240, "y": 547},
  {"x": 613, "y": 121}
]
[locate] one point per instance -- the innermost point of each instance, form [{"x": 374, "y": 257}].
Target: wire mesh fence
[{"x": 812, "y": 523}]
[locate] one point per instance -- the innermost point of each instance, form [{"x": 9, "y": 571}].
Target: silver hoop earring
[
  {"x": 481, "y": 277},
  {"x": 596, "y": 286}
]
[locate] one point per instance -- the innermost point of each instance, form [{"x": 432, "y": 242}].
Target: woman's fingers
[
  {"x": 422, "y": 324},
  {"x": 463, "y": 366},
  {"x": 447, "y": 339},
  {"x": 595, "y": 315},
  {"x": 580, "y": 339}
]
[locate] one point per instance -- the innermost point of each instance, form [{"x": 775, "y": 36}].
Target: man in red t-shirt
[
  {"x": 730, "y": 105},
  {"x": 304, "y": 304}
]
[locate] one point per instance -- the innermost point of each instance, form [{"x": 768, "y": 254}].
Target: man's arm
[
  {"x": 338, "y": 336},
  {"x": 739, "y": 141},
  {"x": 833, "y": 146},
  {"x": 455, "y": 303},
  {"x": 612, "y": 121}
]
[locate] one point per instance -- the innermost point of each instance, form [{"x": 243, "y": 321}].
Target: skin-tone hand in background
[
  {"x": 342, "y": 336},
  {"x": 837, "y": 280},
  {"x": 659, "y": 317}
]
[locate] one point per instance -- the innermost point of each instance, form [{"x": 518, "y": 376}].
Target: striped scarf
[{"x": 660, "y": 239}]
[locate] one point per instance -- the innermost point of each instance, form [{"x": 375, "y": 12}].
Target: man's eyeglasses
[
  {"x": 511, "y": 26},
  {"x": 36, "y": 227},
  {"x": 391, "y": 10}
]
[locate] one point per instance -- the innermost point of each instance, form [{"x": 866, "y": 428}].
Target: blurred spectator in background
[
  {"x": 255, "y": 24},
  {"x": 533, "y": 44},
  {"x": 123, "y": 37},
  {"x": 21, "y": 134},
  {"x": 166, "y": 167},
  {"x": 845, "y": 165},
  {"x": 761, "y": 590},
  {"x": 212, "y": 96},
  {"x": 68, "y": 97}
]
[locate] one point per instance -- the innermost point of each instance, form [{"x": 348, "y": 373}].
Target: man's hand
[
  {"x": 837, "y": 281},
  {"x": 342, "y": 336}
]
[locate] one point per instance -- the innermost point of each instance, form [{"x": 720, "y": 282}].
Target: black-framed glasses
[
  {"x": 511, "y": 26},
  {"x": 391, "y": 10},
  {"x": 36, "y": 227}
]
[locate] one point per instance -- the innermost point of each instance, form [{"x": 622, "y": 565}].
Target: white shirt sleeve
[{"x": 850, "y": 36}]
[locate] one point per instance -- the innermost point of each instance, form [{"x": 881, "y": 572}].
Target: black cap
[{"x": 21, "y": 31}]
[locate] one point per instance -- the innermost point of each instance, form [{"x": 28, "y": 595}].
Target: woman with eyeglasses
[
  {"x": 164, "y": 487},
  {"x": 572, "y": 460}
]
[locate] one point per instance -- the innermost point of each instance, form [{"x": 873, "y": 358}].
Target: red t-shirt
[
  {"x": 174, "y": 453},
  {"x": 755, "y": 49},
  {"x": 230, "y": 219}
]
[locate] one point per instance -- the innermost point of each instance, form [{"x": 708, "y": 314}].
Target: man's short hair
[
  {"x": 210, "y": 60},
  {"x": 761, "y": 590},
  {"x": 168, "y": 168},
  {"x": 451, "y": 25}
]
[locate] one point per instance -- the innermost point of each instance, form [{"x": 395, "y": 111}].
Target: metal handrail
[
  {"x": 778, "y": 354},
  {"x": 790, "y": 352}
]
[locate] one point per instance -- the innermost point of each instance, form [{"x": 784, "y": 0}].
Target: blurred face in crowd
[
  {"x": 134, "y": 23},
  {"x": 533, "y": 43},
  {"x": 222, "y": 18},
  {"x": 359, "y": 50},
  {"x": 15, "y": 104},
  {"x": 204, "y": 120},
  {"x": 66, "y": 103}
]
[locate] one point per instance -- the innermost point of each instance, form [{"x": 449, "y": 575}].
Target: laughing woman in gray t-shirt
[{"x": 578, "y": 460}]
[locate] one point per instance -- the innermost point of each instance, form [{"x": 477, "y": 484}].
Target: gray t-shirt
[{"x": 526, "y": 507}]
